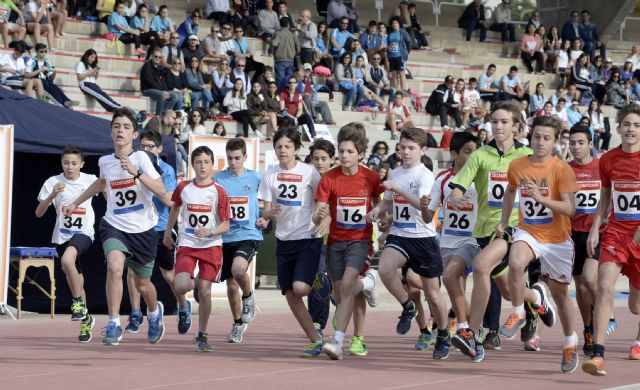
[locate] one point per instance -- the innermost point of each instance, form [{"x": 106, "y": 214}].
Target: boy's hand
[
  {"x": 323, "y": 227},
  {"x": 262, "y": 223},
  {"x": 424, "y": 202},
  {"x": 58, "y": 188},
  {"x": 167, "y": 241},
  {"x": 372, "y": 216},
  {"x": 532, "y": 189},
  {"x": 594, "y": 238},
  {"x": 69, "y": 209},
  {"x": 202, "y": 232},
  {"x": 388, "y": 185},
  {"x": 500, "y": 230},
  {"x": 324, "y": 212},
  {"x": 128, "y": 166}
]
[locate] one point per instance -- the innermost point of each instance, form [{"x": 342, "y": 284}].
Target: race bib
[
  {"x": 73, "y": 224},
  {"x": 239, "y": 210},
  {"x": 125, "y": 196},
  {"x": 197, "y": 214},
  {"x": 394, "y": 47},
  {"x": 534, "y": 213},
  {"x": 402, "y": 213},
  {"x": 587, "y": 197},
  {"x": 498, "y": 183},
  {"x": 626, "y": 201},
  {"x": 459, "y": 222},
  {"x": 289, "y": 189},
  {"x": 351, "y": 212}
]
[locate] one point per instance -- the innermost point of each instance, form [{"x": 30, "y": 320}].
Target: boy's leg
[
  {"x": 115, "y": 267},
  {"x": 560, "y": 293},
  {"x": 298, "y": 309},
  {"x": 359, "y": 314},
  {"x": 489, "y": 258},
  {"x": 234, "y": 297},
  {"x": 436, "y": 302},
  {"x": 350, "y": 285},
  {"x": 204, "y": 290},
  {"x": 74, "y": 278},
  {"x": 135, "y": 318},
  {"x": 453, "y": 275},
  {"x": 148, "y": 292},
  {"x": 608, "y": 273},
  {"x": 390, "y": 261}
]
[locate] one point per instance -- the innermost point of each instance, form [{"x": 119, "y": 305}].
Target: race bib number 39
[
  {"x": 402, "y": 215},
  {"x": 350, "y": 213},
  {"x": 74, "y": 223},
  {"x": 197, "y": 215},
  {"x": 495, "y": 190},
  {"x": 459, "y": 222},
  {"x": 587, "y": 197},
  {"x": 288, "y": 189},
  {"x": 239, "y": 210},
  {"x": 626, "y": 201},
  {"x": 534, "y": 213},
  {"x": 125, "y": 196}
]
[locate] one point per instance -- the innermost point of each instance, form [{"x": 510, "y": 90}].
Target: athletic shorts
[
  {"x": 209, "y": 261},
  {"x": 580, "y": 241},
  {"x": 343, "y": 254},
  {"x": 230, "y": 250},
  {"x": 422, "y": 254},
  {"x": 297, "y": 261},
  {"x": 533, "y": 272},
  {"x": 395, "y": 64},
  {"x": 466, "y": 252},
  {"x": 138, "y": 248},
  {"x": 502, "y": 268},
  {"x": 165, "y": 257},
  {"x": 556, "y": 259},
  {"x": 81, "y": 242},
  {"x": 619, "y": 248}
]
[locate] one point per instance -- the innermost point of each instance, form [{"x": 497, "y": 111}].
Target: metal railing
[{"x": 623, "y": 24}]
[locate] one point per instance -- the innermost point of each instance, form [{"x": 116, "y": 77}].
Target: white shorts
[{"x": 556, "y": 260}]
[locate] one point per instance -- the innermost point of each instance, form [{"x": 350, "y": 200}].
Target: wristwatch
[{"x": 138, "y": 174}]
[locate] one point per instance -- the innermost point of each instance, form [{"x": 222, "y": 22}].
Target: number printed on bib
[
  {"x": 289, "y": 189},
  {"x": 534, "y": 213},
  {"x": 125, "y": 196},
  {"x": 74, "y": 223},
  {"x": 497, "y": 185},
  {"x": 197, "y": 214},
  {"x": 587, "y": 197},
  {"x": 239, "y": 210},
  {"x": 402, "y": 214},
  {"x": 459, "y": 222},
  {"x": 350, "y": 213},
  {"x": 626, "y": 201}
]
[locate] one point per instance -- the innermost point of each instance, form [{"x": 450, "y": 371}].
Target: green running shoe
[{"x": 358, "y": 346}]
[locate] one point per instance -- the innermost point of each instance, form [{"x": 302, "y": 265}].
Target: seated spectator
[
  {"x": 192, "y": 49},
  {"x": 200, "y": 91},
  {"x": 473, "y": 18},
  {"x": 626, "y": 73},
  {"x": 616, "y": 94},
  {"x": 573, "y": 113},
  {"x": 488, "y": 88},
  {"x": 560, "y": 93},
  {"x": 356, "y": 51},
  {"x": 472, "y": 110},
  {"x": 547, "y": 110},
  {"x": 154, "y": 86},
  {"x": 163, "y": 25},
  {"x": 418, "y": 38},
  {"x": 171, "y": 51},
  {"x": 510, "y": 85},
  {"x": 596, "y": 70},
  {"x": 398, "y": 119},
  {"x": 227, "y": 44},
  {"x": 307, "y": 34},
  {"x": 310, "y": 96},
  {"x": 176, "y": 80},
  {"x": 241, "y": 50},
  {"x": 575, "y": 51},
  {"x": 441, "y": 102},
  {"x": 265, "y": 78},
  {"x": 164, "y": 124},
  {"x": 191, "y": 26},
  {"x": 236, "y": 103},
  {"x": 273, "y": 100},
  {"x": 212, "y": 49},
  {"x": 268, "y": 22},
  {"x": 119, "y": 26},
  {"x": 535, "y": 19},
  {"x": 239, "y": 73},
  {"x": 322, "y": 55},
  {"x": 582, "y": 79},
  {"x": 337, "y": 10},
  {"x": 105, "y": 8},
  {"x": 284, "y": 14},
  {"x": 560, "y": 112},
  {"x": 140, "y": 22},
  {"x": 378, "y": 154},
  {"x": 339, "y": 37},
  {"x": 398, "y": 49},
  {"x": 87, "y": 72},
  {"x": 286, "y": 47},
  {"x": 379, "y": 82},
  {"x": 590, "y": 37},
  {"x": 259, "y": 110},
  {"x": 13, "y": 69},
  {"x": 218, "y": 10},
  {"x": 346, "y": 81},
  {"x": 537, "y": 99},
  {"x": 292, "y": 105},
  {"x": 561, "y": 149},
  {"x": 362, "y": 77},
  {"x": 130, "y": 8},
  {"x": 219, "y": 130},
  {"x": 239, "y": 14},
  {"x": 40, "y": 67},
  {"x": 571, "y": 28},
  {"x": 371, "y": 42},
  {"x": 9, "y": 28},
  {"x": 571, "y": 93},
  {"x": 402, "y": 12},
  {"x": 634, "y": 57},
  {"x": 38, "y": 22},
  {"x": 501, "y": 21},
  {"x": 530, "y": 45},
  {"x": 222, "y": 81},
  {"x": 552, "y": 46}
]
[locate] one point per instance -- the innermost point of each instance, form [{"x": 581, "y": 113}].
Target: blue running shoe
[
  {"x": 407, "y": 316},
  {"x": 112, "y": 334},
  {"x": 479, "y": 354},
  {"x": 135, "y": 322},
  {"x": 424, "y": 341},
  {"x": 441, "y": 350},
  {"x": 465, "y": 341},
  {"x": 156, "y": 326},
  {"x": 613, "y": 325},
  {"x": 184, "y": 319},
  {"x": 314, "y": 349}
]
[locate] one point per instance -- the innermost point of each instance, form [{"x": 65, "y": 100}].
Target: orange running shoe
[
  {"x": 634, "y": 354},
  {"x": 594, "y": 366},
  {"x": 512, "y": 326}
]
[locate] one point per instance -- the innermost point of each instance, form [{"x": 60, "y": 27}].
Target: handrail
[
  {"x": 623, "y": 24},
  {"x": 438, "y": 9}
]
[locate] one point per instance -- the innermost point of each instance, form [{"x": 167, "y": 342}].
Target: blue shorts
[
  {"x": 297, "y": 261},
  {"x": 422, "y": 254}
]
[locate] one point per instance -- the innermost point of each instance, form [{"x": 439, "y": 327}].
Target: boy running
[
  {"x": 411, "y": 240},
  {"x": 547, "y": 189},
  {"x": 130, "y": 180},
  {"x": 73, "y": 234},
  {"x": 620, "y": 240},
  {"x": 241, "y": 241},
  {"x": 346, "y": 194},
  {"x": 287, "y": 191}
]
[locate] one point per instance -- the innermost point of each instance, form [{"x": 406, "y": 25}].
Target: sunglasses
[
  {"x": 147, "y": 146},
  {"x": 293, "y": 82},
  {"x": 157, "y": 56},
  {"x": 240, "y": 66},
  {"x": 175, "y": 37},
  {"x": 195, "y": 16}
]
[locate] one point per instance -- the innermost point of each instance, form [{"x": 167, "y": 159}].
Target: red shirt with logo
[
  {"x": 588, "y": 195},
  {"x": 620, "y": 172}
]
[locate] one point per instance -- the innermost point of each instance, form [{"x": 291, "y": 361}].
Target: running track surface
[{"x": 40, "y": 353}]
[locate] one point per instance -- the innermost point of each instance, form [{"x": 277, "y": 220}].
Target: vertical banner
[
  {"x": 6, "y": 170},
  {"x": 217, "y": 145}
]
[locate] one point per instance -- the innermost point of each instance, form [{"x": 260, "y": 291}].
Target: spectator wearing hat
[
  {"x": 13, "y": 68},
  {"x": 192, "y": 50},
  {"x": 441, "y": 103},
  {"x": 472, "y": 19},
  {"x": 286, "y": 47},
  {"x": 501, "y": 19}
]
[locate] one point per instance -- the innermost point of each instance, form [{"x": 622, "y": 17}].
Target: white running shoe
[{"x": 371, "y": 295}]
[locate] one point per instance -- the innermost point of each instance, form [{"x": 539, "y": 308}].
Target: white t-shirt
[
  {"x": 28, "y": 9},
  {"x": 82, "y": 219},
  {"x": 407, "y": 220},
  {"x": 129, "y": 205},
  {"x": 81, "y": 68},
  {"x": 457, "y": 227},
  {"x": 471, "y": 98},
  {"x": 8, "y": 62},
  {"x": 293, "y": 190},
  {"x": 562, "y": 115}
]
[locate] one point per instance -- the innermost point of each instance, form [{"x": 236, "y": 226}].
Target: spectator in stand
[
  {"x": 200, "y": 91},
  {"x": 510, "y": 85},
  {"x": 13, "y": 69},
  {"x": 530, "y": 45},
  {"x": 236, "y": 103},
  {"x": 222, "y": 81},
  {"x": 596, "y": 70},
  {"x": 307, "y": 34},
  {"x": 398, "y": 48},
  {"x": 501, "y": 21},
  {"x": 286, "y": 47},
  {"x": 402, "y": 12},
  {"x": 218, "y": 10},
  {"x": 590, "y": 37},
  {"x": 626, "y": 73},
  {"x": 268, "y": 23},
  {"x": 560, "y": 112},
  {"x": 292, "y": 104},
  {"x": 583, "y": 81},
  {"x": 310, "y": 96},
  {"x": 547, "y": 110},
  {"x": 239, "y": 14},
  {"x": 219, "y": 130},
  {"x": 472, "y": 110},
  {"x": 192, "y": 49},
  {"x": 141, "y": 22},
  {"x": 163, "y": 25},
  {"x": 339, "y": 37},
  {"x": 473, "y": 18},
  {"x": 441, "y": 103},
  {"x": 398, "y": 119},
  {"x": 266, "y": 78},
  {"x": 552, "y": 46},
  {"x": 164, "y": 124},
  {"x": 7, "y": 28},
  {"x": 171, "y": 51},
  {"x": 284, "y": 14},
  {"x": 488, "y": 88},
  {"x": 346, "y": 81},
  {"x": 59, "y": 15},
  {"x": 573, "y": 113},
  {"x": 87, "y": 72},
  {"x": 562, "y": 67},
  {"x": 240, "y": 72},
  {"x": 38, "y": 21},
  {"x": 119, "y": 26},
  {"x": 418, "y": 38},
  {"x": 105, "y": 8},
  {"x": 575, "y": 51},
  {"x": 259, "y": 109},
  {"x": 542, "y": 33},
  {"x": 379, "y": 82},
  {"x": 191, "y": 26},
  {"x": 371, "y": 42},
  {"x": 537, "y": 99},
  {"x": 322, "y": 47},
  {"x": 241, "y": 50},
  {"x": 596, "y": 117},
  {"x": 634, "y": 57},
  {"x": 560, "y": 93},
  {"x": 154, "y": 86},
  {"x": 273, "y": 100},
  {"x": 362, "y": 77},
  {"x": 378, "y": 154},
  {"x": 227, "y": 44},
  {"x": 337, "y": 10},
  {"x": 211, "y": 48},
  {"x": 130, "y": 9},
  {"x": 571, "y": 28},
  {"x": 176, "y": 80},
  {"x": 41, "y": 68},
  {"x": 535, "y": 19},
  {"x": 356, "y": 50},
  {"x": 616, "y": 94}
]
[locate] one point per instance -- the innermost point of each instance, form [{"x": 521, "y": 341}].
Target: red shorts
[
  {"x": 209, "y": 262},
  {"x": 619, "y": 248}
]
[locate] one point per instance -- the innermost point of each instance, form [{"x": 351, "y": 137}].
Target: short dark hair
[
  {"x": 513, "y": 68},
  {"x": 373, "y": 23},
  {"x": 73, "y": 149},
  {"x": 40, "y": 46},
  {"x": 291, "y": 133},
  {"x": 236, "y": 144},
  {"x": 458, "y": 140},
  {"x": 561, "y": 100},
  {"x": 201, "y": 150},
  {"x": 581, "y": 129},
  {"x": 324, "y": 145},
  {"x": 491, "y": 66},
  {"x": 152, "y": 135},
  {"x": 284, "y": 23},
  {"x": 416, "y": 135},
  {"x": 427, "y": 161},
  {"x": 547, "y": 121},
  {"x": 127, "y": 113},
  {"x": 355, "y": 134},
  {"x": 472, "y": 80}
]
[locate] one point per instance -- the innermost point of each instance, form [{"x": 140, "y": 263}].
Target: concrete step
[{"x": 87, "y": 103}]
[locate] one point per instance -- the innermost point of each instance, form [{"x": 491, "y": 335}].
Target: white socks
[
  {"x": 570, "y": 341},
  {"x": 462, "y": 325},
  {"x": 367, "y": 283},
  {"x": 115, "y": 319},
  {"x": 519, "y": 310},
  {"x": 154, "y": 314},
  {"x": 339, "y": 337}
]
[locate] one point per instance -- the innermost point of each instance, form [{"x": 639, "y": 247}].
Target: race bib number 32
[
  {"x": 350, "y": 213},
  {"x": 534, "y": 213},
  {"x": 626, "y": 201}
]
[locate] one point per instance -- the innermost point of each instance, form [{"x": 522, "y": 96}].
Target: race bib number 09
[
  {"x": 351, "y": 212},
  {"x": 626, "y": 201},
  {"x": 197, "y": 215}
]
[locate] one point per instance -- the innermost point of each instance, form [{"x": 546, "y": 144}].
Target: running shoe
[
  {"x": 533, "y": 345},
  {"x": 358, "y": 346},
  {"x": 512, "y": 326},
  {"x": 531, "y": 325},
  {"x": 248, "y": 308},
  {"x": 569, "y": 359},
  {"x": 111, "y": 334},
  {"x": 202, "y": 343},
  {"x": 587, "y": 348},
  {"x": 424, "y": 341},
  {"x": 86, "y": 327},
  {"x": 611, "y": 328},
  {"x": 134, "y": 322},
  {"x": 319, "y": 329},
  {"x": 371, "y": 295},
  {"x": 465, "y": 341},
  {"x": 237, "y": 331},
  {"x": 184, "y": 319},
  {"x": 594, "y": 366},
  {"x": 314, "y": 349},
  {"x": 634, "y": 354},
  {"x": 156, "y": 326},
  {"x": 79, "y": 310},
  {"x": 492, "y": 340},
  {"x": 333, "y": 349},
  {"x": 407, "y": 316},
  {"x": 441, "y": 349},
  {"x": 479, "y": 356},
  {"x": 545, "y": 310}
]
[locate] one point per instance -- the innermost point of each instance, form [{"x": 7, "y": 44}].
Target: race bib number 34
[
  {"x": 534, "y": 213},
  {"x": 74, "y": 223},
  {"x": 288, "y": 189},
  {"x": 350, "y": 213},
  {"x": 239, "y": 210},
  {"x": 587, "y": 197},
  {"x": 125, "y": 196},
  {"x": 626, "y": 201}
]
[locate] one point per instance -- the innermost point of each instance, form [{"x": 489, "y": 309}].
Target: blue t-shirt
[
  {"x": 242, "y": 192},
  {"x": 160, "y": 25},
  {"x": 114, "y": 19},
  {"x": 137, "y": 22},
  {"x": 394, "y": 44},
  {"x": 169, "y": 180},
  {"x": 341, "y": 37}
]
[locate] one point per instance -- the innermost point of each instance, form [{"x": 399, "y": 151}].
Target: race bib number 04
[
  {"x": 626, "y": 201},
  {"x": 351, "y": 212},
  {"x": 495, "y": 190}
]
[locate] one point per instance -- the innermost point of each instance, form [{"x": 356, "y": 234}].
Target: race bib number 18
[
  {"x": 626, "y": 201},
  {"x": 351, "y": 212}
]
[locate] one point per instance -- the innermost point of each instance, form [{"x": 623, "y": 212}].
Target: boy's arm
[
  {"x": 270, "y": 211},
  {"x": 507, "y": 206},
  {"x": 381, "y": 209},
  {"x": 173, "y": 218},
  {"x": 566, "y": 205},
  {"x": 322, "y": 212},
  {"x": 601, "y": 213},
  {"x": 45, "y": 203},
  {"x": 94, "y": 189}
]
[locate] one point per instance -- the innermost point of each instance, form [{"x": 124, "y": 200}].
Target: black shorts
[
  {"x": 580, "y": 245},
  {"x": 395, "y": 64},
  {"x": 245, "y": 249},
  {"x": 500, "y": 269},
  {"x": 81, "y": 242},
  {"x": 139, "y": 248},
  {"x": 297, "y": 261},
  {"x": 422, "y": 254},
  {"x": 165, "y": 257}
]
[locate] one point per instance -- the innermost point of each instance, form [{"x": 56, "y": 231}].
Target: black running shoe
[
  {"x": 407, "y": 316},
  {"x": 491, "y": 340},
  {"x": 441, "y": 350},
  {"x": 545, "y": 310},
  {"x": 465, "y": 341},
  {"x": 529, "y": 329},
  {"x": 79, "y": 310}
]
